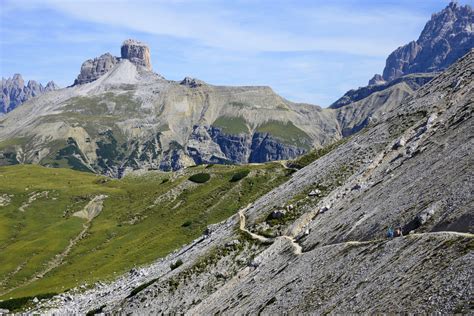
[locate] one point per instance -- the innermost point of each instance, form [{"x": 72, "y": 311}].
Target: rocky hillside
[
  {"x": 15, "y": 92},
  {"x": 446, "y": 37},
  {"x": 120, "y": 116},
  {"x": 317, "y": 243}
]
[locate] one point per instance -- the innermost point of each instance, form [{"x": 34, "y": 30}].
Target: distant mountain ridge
[
  {"x": 15, "y": 92},
  {"x": 121, "y": 116},
  {"x": 448, "y": 36}
]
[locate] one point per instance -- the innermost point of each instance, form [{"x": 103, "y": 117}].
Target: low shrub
[
  {"x": 186, "y": 224},
  {"x": 95, "y": 311},
  {"x": 239, "y": 175},
  {"x": 200, "y": 177},
  {"x": 16, "y": 304},
  {"x": 141, "y": 287},
  {"x": 177, "y": 264}
]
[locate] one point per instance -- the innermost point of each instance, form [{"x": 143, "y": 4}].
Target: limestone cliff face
[
  {"x": 446, "y": 37},
  {"x": 213, "y": 145},
  {"x": 134, "y": 51},
  {"x": 14, "y": 91},
  {"x": 92, "y": 69},
  {"x": 137, "y": 52}
]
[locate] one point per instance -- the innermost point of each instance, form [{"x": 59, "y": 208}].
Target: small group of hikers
[{"x": 397, "y": 232}]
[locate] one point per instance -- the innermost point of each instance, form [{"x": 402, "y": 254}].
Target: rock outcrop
[
  {"x": 377, "y": 79},
  {"x": 15, "y": 92},
  {"x": 134, "y": 51},
  {"x": 137, "y": 52},
  {"x": 92, "y": 69},
  {"x": 446, "y": 37},
  {"x": 414, "y": 81}
]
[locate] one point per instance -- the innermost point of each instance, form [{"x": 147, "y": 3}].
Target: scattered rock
[
  {"x": 4, "y": 200},
  {"x": 325, "y": 208},
  {"x": 315, "y": 192},
  {"x": 401, "y": 142},
  {"x": 278, "y": 214},
  {"x": 424, "y": 216},
  {"x": 232, "y": 243}
]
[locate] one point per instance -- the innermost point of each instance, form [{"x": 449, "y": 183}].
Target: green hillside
[{"x": 143, "y": 218}]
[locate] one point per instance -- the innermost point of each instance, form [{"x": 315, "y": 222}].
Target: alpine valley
[{"x": 127, "y": 193}]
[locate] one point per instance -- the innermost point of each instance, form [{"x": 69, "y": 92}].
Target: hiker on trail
[
  {"x": 390, "y": 233},
  {"x": 398, "y": 231}
]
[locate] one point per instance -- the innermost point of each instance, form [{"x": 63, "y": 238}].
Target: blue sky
[{"x": 307, "y": 50}]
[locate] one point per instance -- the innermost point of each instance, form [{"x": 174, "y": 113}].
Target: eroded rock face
[
  {"x": 137, "y": 52},
  {"x": 446, "y": 37},
  {"x": 376, "y": 80},
  {"x": 92, "y": 69},
  {"x": 210, "y": 144},
  {"x": 15, "y": 92}
]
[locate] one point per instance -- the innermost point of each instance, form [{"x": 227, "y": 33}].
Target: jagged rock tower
[
  {"x": 132, "y": 50},
  {"x": 137, "y": 52}
]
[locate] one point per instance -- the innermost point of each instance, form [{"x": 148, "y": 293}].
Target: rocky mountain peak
[
  {"x": 192, "y": 82},
  {"x": 377, "y": 79},
  {"x": 446, "y": 37},
  {"x": 14, "y": 91},
  {"x": 51, "y": 86},
  {"x": 17, "y": 81},
  {"x": 134, "y": 51},
  {"x": 137, "y": 52}
]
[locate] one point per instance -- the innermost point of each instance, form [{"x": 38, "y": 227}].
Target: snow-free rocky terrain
[
  {"x": 120, "y": 116},
  {"x": 317, "y": 243}
]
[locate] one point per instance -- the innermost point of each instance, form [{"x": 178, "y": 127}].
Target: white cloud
[{"x": 218, "y": 26}]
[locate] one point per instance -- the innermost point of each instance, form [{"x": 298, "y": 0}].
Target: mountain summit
[
  {"x": 132, "y": 50},
  {"x": 120, "y": 116},
  {"x": 448, "y": 36}
]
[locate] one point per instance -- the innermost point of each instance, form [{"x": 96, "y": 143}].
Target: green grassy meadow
[{"x": 144, "y": 218}]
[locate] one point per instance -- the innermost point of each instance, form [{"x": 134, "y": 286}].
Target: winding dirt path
[
  {"x": 262, "y": 239},
  {"x": 297, "y": 249}
]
